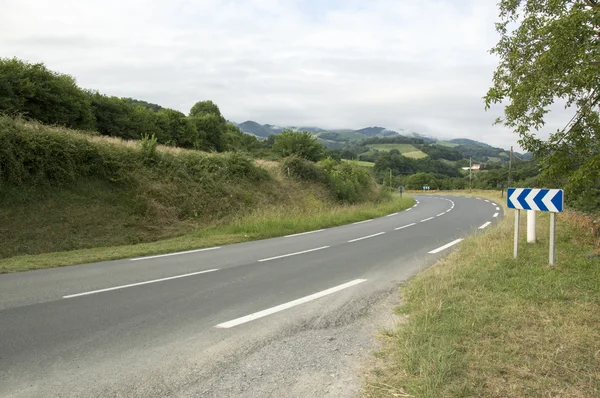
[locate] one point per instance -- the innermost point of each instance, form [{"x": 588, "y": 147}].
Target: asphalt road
[{"x": 159, "y": 326}]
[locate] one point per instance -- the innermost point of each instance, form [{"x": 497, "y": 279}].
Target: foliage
[
  {"x": 441, "y": 152},
  {"x": 302, "y": 144},
  {"x": 553, "y": 52},
  {"x": 38, "y": 93},
  {"x": 53, "y": 98},
  {"x": 301, "y": 168},
  {"x": 203, "y": 108}
]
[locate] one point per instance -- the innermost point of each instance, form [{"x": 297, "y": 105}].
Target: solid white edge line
[
  {"x": 485, "y": 225},
  {"x": 139, "y": 283},
  {"x": 304, "y": 233},
  {"x": 288, "y": 305},
  {"x": 361, "y": 222},
  {"x": 393, "y": 214},
  {"x": 405, "y": 226},
  {"x": 366, "y": 237},
  {"x": 408, "y": 209},
  {"x": 427, "y": 219},
  {"x": 174, "y": 254},
  {"x": 495, "y": 215},
  {"x": 293, "y": 254},
  {"x": 439, "y": 249},
  {"x": 441, "y": 214}
]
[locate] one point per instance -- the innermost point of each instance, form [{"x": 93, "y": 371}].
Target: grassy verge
[
  {"x": 482, "y": 324},
  {"x": 269, "y": 222}
]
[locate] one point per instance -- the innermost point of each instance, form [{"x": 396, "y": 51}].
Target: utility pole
[{"x": 470, "y": 174}]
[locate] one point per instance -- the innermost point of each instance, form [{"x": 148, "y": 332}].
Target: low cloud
[{"x": 421, "y": 66}]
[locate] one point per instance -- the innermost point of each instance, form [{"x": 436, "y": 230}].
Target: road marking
[
  {"x": 408, "y": 209},
  {"x": 304, "y": 233},
  {"x": 495, "y": 214},
  {"x": 174, "y": 254},
  {"x": 360, "y": 222},
  {"x": 494, "y": 204},
  {"x": 485, "y": 225},
  {"x": 139, "y": 283},
  {"x": 393, "y": 214},
  {"x": 448, "y": 211},
  {"x": 487, "y": 201},
  {"x": 439, "y": 249},
  {"x": 366, "y": 237},
  {"x": 405, "y": 226},
  {"x": 497, "y": 209},
  {"x": 288, "y": 305},
  {"x": 293, "y": 254},
  {"x": 441, "y": 214},
  {"x": 478, "y": 198},
  {"x": 427, "y": 219}
]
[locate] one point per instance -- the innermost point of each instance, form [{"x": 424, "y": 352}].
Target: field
[
  {"x": 446, "y": 144},
  {"x": 407, "y": 150},
  {"x": 360, "y": 163},
  {"x": 482, "y": 324}
]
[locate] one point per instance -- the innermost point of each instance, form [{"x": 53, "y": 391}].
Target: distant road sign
[{"x": 551, "y": 200}]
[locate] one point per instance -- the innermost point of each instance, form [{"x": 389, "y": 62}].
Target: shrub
[
  {"x": 302, "y": 144},
  {"x": 298, "y": 167}
]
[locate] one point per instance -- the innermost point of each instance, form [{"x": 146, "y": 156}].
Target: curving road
[{"x": 159, "y": 325}]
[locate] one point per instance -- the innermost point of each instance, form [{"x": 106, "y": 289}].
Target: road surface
[{"x": 174, "y": 325}]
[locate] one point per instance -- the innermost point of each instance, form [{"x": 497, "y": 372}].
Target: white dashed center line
[
  {"x": 362, "y": 222},
  {"x": 427, "y": 219},
  {"x": 366, "y": 237},
  {"x": 293, "y": 254},
  {"x": 405, "y": 226}
]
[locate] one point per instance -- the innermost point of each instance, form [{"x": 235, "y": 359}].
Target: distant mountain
[
  {"x": 343, "y": 138},
  {"x": 377, "y": 131},
  {"x": 257, "y": 129}
]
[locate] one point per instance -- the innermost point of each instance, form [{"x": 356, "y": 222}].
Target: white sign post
[
  {"x": 549, "y": 200},
  {"x": 531, "y": 226}
]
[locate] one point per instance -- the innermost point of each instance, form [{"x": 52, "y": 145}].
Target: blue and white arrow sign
[{"x": 536, "y": 199}]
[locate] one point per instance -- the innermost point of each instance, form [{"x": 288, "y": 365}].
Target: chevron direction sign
[{"x": 551, "y": 200}]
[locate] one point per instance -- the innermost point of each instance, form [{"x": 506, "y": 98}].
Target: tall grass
[{"x": 482, "y": 324}]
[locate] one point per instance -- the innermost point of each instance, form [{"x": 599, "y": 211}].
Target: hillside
[{"x": 66, "y": 191}]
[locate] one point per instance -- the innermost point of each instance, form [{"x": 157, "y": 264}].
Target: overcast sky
[{"x": 403, "y": 64}]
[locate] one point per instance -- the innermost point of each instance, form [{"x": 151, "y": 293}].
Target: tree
[
  {"x": 43, "y": 95},
  {"x": 554, "y": 52},
  {"x": 302, "y": 144},
  {"x": 202, "y": 108}
]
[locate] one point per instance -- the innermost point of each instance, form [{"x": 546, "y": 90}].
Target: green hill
[{"x": 408, "y": 150}]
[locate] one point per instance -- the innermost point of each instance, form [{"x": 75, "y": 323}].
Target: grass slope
[
  {"x": 67, "y": 197},
  {"x": 482, "y": 324},
  {"x": 407, "y": 150}
]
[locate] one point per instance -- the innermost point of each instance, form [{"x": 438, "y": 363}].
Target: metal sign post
[
  {"x": 548, "y": 200},
  {"x": 401, "y": 189}
]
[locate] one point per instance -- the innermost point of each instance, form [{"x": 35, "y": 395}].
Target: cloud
[{"x": 422, "y": 66}]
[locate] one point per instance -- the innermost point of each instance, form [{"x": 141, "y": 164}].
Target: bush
[
  {"x": 302, "y": 144},
  {"x": 298, "y": 167}
]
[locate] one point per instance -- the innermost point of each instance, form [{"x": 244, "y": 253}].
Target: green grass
[
  {"x": 407, "y": 150},
  {"x": 360, "y": 162},
  {"x": 482, "y": 324},
  {"x": 309, "y": 213},
  {"x": 446, "y": 144}
]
